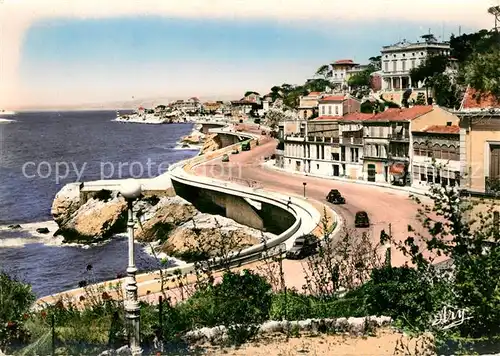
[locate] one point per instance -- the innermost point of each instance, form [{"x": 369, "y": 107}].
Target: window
[
  {"x": 386, "y": 66},
  {"x": 329, "y": 109},
  {"x": 430, "y": 174},
  {"x": 416, "y": 173},
  {"x": 322, "y": 110},
  {"x": 436, "y": 151},
  {"x": 445, "y": 152},
  {"x": 376, "y": 151},
  {"x": 317, "y": 166},
  {"x": 335, "y": 157},
  {"x": 444, "y": 181},
  {"x": 336, "y": 109},
  {"x": 438, "y": 177},
  {"x": 416, "y": 149},
  {"x": 413, "y": 64},
  {"x": 394, "y": 66},
  {"x": 404, "y": 65},
  {"x": 423, "y": 177}
]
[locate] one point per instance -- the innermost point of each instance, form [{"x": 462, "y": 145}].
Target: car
[
  {"x": 303, "y": 246},
  {"x": 245, "y": 146},
  {"x": 225, "y": 158},
  {"x": 335, "y": 197},
  {"x": 361, "y": 219}
]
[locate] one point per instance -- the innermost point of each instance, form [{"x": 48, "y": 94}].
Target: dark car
[
  {"x": 361, "y": 219},
  {"x": 303, "y": 246},
  {"x": 335, "y": 197},
  {"x": 245, "y": 146}
]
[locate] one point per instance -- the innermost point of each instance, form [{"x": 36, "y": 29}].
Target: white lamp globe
[{"x": 130, "y": 189}]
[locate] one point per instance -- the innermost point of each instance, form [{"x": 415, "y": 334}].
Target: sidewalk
[{"x": 411, "y": 190}]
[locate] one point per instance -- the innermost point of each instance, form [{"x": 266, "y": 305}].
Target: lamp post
[
  {"x": 131, "y": 190},
  {"x": 304, "y": 183}
]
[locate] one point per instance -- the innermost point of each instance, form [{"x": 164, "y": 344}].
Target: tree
[
  {"x": 375, "y": 63},
  {"x": 361, "y": 79},
  {"x": 420, "y": 99},
  {"x": 324, "y": 71},
  {"x": 482, "y": 72},
  {"x": 278, "y": 113},
  {"x": 317, "y": 84}
]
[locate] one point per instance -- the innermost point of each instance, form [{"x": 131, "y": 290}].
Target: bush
[
  {"x": 290, "y": 306},
  {"x": 401, "y": 293},
  {"x": 256, "y": 121},
  {"x": 16, "y": 299}
]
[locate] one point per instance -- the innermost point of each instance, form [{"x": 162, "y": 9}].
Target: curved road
[{"x": 384, "y": 205}]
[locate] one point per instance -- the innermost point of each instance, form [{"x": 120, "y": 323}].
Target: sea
[{"x": 40, "y": 152}]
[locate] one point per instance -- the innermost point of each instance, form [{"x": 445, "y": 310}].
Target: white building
[
  {"x": 436, "y": 156},
  {"x": 340, "y": 72},
  {"x": 398, "y": 59},
  {"x": 351, "y": 145},
  {"x": 337, "y": 106}
]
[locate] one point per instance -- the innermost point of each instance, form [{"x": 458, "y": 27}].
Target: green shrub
[
  {"x": 16, "y": 299},
  {"x": 401, "y": 293},
  {"x": 290, "y": 306}
]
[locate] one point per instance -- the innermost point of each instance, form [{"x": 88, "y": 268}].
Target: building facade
[
  {"x": 308, "y": 105},
  {"x": 336, "y": 106},
  {"x": 480, "y": 143},
  {"x": 398, "y": 59},
  {"x": 339, "y": 72},
  {"x": 436, "y": 156}
]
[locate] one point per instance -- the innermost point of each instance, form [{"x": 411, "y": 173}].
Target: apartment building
[
  {"x": 436, "y": 156},
  {"x": 398, "y": 59},
  {"x": 351, "y": 145},
  {"x": 388, "y": 146},
  {"x": 480, "y": 143},
  {"x": 308, "y": 104},
  {"x": 336, "y": 106},
  {"x": 316, "y": 150}
]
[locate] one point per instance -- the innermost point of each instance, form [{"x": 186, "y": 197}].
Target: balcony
[
  {"x": 352, "y": 141},
  {"x": 322, "y": 139},
  {"x": 399, "y": 137},
  {"x": 295, "y": 138},
  {"x": 492, "y": 185}
]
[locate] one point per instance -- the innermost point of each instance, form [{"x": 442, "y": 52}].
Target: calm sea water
[{"x": 39, "y": 153}]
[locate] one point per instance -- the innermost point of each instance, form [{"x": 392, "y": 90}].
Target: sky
[{"x": 58, "y": 53}]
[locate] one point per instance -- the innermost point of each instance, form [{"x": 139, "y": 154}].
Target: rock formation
[
  {"x": 212, "y": 143},
  {"x": 95, "y": 220},
  {"x": 66, "y": 202}
]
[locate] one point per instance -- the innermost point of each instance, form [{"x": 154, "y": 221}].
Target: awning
[{"x": 397, "y": 169}]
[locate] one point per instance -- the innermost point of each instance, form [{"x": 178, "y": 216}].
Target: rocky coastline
[{"x": 171, "y": 223}]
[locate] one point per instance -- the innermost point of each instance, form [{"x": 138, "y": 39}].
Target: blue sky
[{"x": 107, "y": 59}]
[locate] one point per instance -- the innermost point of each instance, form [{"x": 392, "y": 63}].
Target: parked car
[
  {"x": 225, "y": 158},
  {"x": 361, "y": 219},
  {"x": 303, "y": 246},
  {"x": 245, "y": 146},
  {"x": 335, "y": 197}
]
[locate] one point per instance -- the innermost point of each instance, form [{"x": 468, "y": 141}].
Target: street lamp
[
  {"x": 304, "y": 183},
  {"x": 131, "y": 190}
]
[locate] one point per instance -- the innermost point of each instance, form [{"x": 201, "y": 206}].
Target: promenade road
[{"x": 384, "y": 206}]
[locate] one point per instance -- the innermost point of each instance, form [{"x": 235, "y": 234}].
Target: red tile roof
[
  {"x": 453, "y": 129},
  {"x": 333, "y": 98},
  {"x": 314, "y": 93},
  {"x": 402, "y": 114},
  {"x": 345, "y": 61},
  {"x": 327, "y": 117},
  {"x": 357, "y": 116},
  {"x": 474, "y": 100}
]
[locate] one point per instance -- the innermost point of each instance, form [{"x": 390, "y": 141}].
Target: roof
[
  {"x": 345, "y": 61},
  {"x": 327, "y": 118},
  {"x": 314, "y": 93},
  {"x": 474, "y": 100},
  {"x": 442, "y": 129},
  {"x": 333, "y": 98},
  {"x": 357, "y": 116},
  {"x": 402, "y": 114}
]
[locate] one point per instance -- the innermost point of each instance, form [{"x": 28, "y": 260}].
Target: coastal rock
[
  {"x": 42, "y": 230},
  {"x": 66, "y": 202},
  {"x": 163, "y": 217},
  {"x": 14, "y": 227},
  {"x": 208, "y": 235},
  {"x": 212, "y": 143},
  {"x": 95, "y": 220}
]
